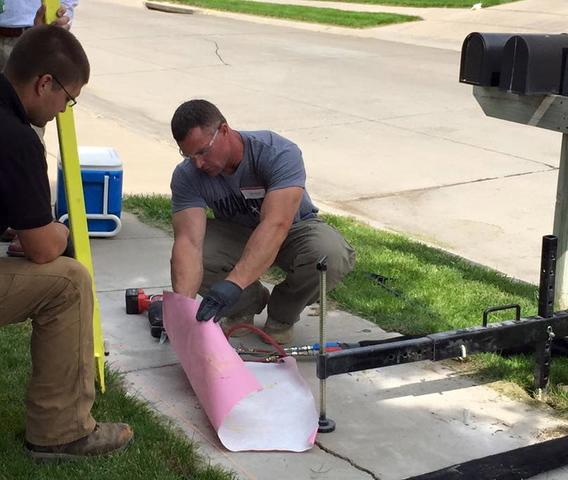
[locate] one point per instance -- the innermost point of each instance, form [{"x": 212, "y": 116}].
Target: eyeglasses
[
  {"x": 204, "y": 151},
  {"x": 71, "y": 101}
]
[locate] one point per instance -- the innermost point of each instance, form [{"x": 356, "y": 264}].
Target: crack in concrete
[
  {"x": 348, "y": 460},
  {"x": 440, "y": 187},
  {"x": 143, "y": 369},
  {"x": 219, "y": 54},
  {"x": 147, "y": 287}
]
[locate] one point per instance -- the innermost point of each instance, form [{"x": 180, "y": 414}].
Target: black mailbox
[
  {"x": 481, "y": 58},
  {"x": 535, "y": 65}
]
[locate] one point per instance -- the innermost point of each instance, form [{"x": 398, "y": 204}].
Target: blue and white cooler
[{"x": 101, "y": 173}]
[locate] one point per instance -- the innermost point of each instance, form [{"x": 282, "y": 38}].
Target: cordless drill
[{"x": 138, "y": 302}]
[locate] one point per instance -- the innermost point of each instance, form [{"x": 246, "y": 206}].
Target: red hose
[{"x": 260, "y": 333}]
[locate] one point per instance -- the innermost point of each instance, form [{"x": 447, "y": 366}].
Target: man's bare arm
[
  {"x": 187, "y": 253},
  {"x": 44, "y": 244},
  {"x": 277, "y": 214}
]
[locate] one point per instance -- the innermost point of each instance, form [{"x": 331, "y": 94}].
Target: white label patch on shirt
[{"x": 253, "y": 193}]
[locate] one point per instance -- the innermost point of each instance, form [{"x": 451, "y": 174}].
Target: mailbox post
[{"x": 524, "y": 79}]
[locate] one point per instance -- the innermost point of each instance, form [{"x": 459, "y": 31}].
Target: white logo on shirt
[{"x": 253, "y": 193}]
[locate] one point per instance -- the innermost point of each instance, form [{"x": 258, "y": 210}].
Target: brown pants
[
  {"x": 57, "y": 297},
  {"x": 306, "y": 243}
]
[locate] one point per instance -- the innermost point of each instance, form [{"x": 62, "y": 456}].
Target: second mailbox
[{"x": 535, "y": 64}]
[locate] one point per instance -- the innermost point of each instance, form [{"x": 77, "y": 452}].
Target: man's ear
[{"x": 43, "y": 83}]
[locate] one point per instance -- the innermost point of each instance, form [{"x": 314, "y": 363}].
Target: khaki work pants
[
  {"x": 306, "y": 243},
  {"x": 57, "y": 297}
]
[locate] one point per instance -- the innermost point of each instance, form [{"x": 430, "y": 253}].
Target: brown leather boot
[
  {"x": 7, "y": 235},
  {"x": 280, "y": 332},
  {"x": 106, "y": 438}
]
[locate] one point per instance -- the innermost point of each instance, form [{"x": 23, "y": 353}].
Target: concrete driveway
[{"x": 388, "y": 133}]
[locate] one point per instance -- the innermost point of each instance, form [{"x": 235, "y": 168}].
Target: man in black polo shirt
[{"x": 43, "y": 76}]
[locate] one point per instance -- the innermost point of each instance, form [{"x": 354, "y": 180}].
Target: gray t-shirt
[{"x": 270, "y": 162}]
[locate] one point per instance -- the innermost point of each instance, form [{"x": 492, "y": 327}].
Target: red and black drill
[{"x": 138, "y": 302}]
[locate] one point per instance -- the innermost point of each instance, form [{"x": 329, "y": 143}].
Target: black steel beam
[
  {"x": 375, "y": 356},
  {"x": 494, "y": 337},
  {"x": 524, "y": 462}
]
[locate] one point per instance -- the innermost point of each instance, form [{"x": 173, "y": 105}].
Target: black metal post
[
  {"x": 547, "y": 276},
  {"x": 543, "y": 353}
]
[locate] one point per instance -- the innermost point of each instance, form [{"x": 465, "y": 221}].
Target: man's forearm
[
  {"x": 63, "y": 237},
  {"x": 186, "y": 269},
  {"x": 44, "y": 244},
  {"x": 259, "y": 253}
]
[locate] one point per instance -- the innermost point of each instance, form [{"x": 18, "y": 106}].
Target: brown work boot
[
  {"x": 283, "y": 333},
  {"x": 229, "y": 322},
  {"x": 8, "y": 235},
  {"x": 106, "y": 438}
]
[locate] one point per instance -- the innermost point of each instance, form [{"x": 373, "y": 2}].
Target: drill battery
[{"x": 137, "y": 301}]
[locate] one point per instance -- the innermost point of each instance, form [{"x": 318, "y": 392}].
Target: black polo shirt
[{"x": 25, "y": 200}]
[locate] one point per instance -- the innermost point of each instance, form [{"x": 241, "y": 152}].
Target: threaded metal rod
[
  {"x": 323, "y": 313},
  {"x": 326, "y": 425}
]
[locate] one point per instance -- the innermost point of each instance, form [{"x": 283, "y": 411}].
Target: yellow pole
[{"x": 76, "y": 203}]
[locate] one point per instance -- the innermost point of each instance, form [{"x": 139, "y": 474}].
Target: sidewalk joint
[
  {"x": 386, "y": 122},
  {"x": 459, "y": 142},
  {"x": 440, "y": 187}
]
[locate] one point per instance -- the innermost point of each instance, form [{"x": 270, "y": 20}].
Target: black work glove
[{"x": 220, "y": 297}]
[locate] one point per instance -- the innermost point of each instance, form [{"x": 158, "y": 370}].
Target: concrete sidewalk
[{"x": 391, "y": 423}]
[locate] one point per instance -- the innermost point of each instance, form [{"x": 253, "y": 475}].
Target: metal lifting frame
[{"x": 537, "y": 330}]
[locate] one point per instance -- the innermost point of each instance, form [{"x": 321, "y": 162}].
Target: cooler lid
[{"x": 98, "y": 158}]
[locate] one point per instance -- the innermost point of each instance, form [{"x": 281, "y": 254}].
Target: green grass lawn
[
  {"x": 432, "y": 3},
  {"x": 158, "y": 451},
  {"x": 326, "y": 16},
  {"x": 438, "y": 292}
]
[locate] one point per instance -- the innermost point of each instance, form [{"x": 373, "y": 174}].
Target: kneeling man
[{"x": 254, "y": 182}]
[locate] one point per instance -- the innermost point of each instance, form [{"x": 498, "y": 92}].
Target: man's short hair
[
  {"x": 192, "y": 114},
  {"x": 48, "y": 49}
]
